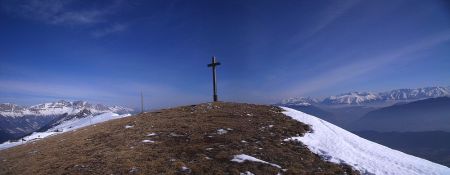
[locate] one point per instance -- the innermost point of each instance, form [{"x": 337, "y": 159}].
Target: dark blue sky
[{"x": 108, "y": 51}]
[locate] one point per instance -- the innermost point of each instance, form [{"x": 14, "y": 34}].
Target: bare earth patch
[{"x": 197, "y": 139}]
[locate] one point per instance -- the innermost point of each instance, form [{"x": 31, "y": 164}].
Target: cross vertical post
[
  {"x": 142, "y": 103},
  {"x": 213, "y": 64}
]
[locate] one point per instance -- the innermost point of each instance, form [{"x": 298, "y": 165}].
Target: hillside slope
[
  {"x": 212, "y": 138},
  {"x": 340, "y": 146},
  {"x": 19, "y": 121},
  {"x": 65, "y": 124}
]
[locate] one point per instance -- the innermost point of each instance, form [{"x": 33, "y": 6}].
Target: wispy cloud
[
  {"x": 68, "y": 90},
  {"x": 69, "y": 13},
  {"x": 358, "y": 68},
  {"x": 334, "y": 12},
  {"x": 109, "y": 30},
  {"x": 59, "y": 12},
  {"x": 329, "y": 15}
]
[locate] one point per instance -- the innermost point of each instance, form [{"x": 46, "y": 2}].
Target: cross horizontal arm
[{"x": 213, "y": 64}]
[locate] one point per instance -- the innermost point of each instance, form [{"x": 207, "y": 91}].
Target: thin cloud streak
[
  {"x": 109, "y": 30},
  {"x": 67, "y": 90},
  {"x": 330, "y": 15},
  {"x": 349, "y": 71},
  {"x": 59, "y": 12},
  {"x": 69, "y": 13}
]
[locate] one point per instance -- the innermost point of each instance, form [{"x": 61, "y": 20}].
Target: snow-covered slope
[
  {"x": 66, "y": 125},
  {"x": 340, "y": 146},
  {"x": 58, "y": 108}
]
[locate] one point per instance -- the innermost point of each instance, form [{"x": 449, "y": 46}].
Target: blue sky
[{"x": 109, "y": 51}]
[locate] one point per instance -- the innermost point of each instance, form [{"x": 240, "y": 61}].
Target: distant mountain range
[
  {"x": 411, "y": 120},
  {"x": 424, "y": 115},
  {"x": 371, "y": 98},
  {"x": 58, "y": 108},
  {"x": 17, "y": 121}
]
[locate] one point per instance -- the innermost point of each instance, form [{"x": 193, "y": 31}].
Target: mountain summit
[{"x": 212, "y": 138}]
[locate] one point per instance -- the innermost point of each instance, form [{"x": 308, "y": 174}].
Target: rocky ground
[{"x": 196, "y": 139}]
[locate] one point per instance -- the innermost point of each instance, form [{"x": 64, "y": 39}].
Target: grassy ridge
[{"x": 197, "y": 139}]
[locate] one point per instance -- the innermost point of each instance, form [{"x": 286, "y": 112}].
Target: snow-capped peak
[
  {"x": 58, "y": 108},
  {"x": 406, "y": 94},
  {"x": 9, "y": 107},
  {"x": 352, "y": 98},
  {"x": 120, "y": 109},
  {"x": 357, "y": 98},
  {"x": 299, "y": 101}
]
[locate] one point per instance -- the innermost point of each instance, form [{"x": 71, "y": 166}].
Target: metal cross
[{"x": 213, "y": 65}]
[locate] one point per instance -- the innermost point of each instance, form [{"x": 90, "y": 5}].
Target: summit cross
[{"x": 213, "y": 64}]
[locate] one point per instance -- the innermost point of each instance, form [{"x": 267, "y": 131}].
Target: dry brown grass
[{"x": 186, "y": 136}]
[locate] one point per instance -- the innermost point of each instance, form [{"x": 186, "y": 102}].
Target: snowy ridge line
[
  {"x": 340, "y": 146},
  {"x": 58, "y": 108},
  {"x": 66, "y": 126},
  {"x": 357, "y": 98}
]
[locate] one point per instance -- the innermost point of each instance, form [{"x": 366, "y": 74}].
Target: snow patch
[
  {"x": 151, "y": 134},
  {"x": 176, "y": 135},
  {"x": 246, "y": 173},
  {"x": 340, "y": 146},
  {"x": 221, "y": 131},
  {"x": 243, "y": 157},
  {"x": 134, "y": 170},
  {"x": 185, "y": 169},
  {"x": 129, "y": 126}
]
